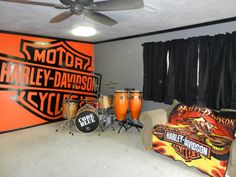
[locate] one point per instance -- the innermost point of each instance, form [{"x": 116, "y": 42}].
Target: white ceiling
[{"x": 157, "y": 15}]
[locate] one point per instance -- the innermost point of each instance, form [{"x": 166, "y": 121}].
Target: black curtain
[
  {"x": 178, "y": 81},
  {"x": 155, "y": 73},
  {"x": 232, "y": 71},
  {"x": 213, "y": 56},
  {"x": 182, "y": 73},
  {"x": 217, "y": 71}
]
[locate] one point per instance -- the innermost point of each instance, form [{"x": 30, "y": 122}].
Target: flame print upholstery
[{"x": 195, "y": 137}]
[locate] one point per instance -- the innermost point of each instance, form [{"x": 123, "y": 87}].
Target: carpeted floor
[{"x": 43, "y": 152}]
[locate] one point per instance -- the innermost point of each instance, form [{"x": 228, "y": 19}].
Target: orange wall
[{"x": 36, "y": 74}]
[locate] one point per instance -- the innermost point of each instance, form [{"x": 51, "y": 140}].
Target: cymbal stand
[{"x": 68, "y": 124}]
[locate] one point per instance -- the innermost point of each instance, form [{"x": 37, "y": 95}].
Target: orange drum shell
[
  {"x": 121, "y": 104},
  {"x": 69, "y": 109},
  {"x": 135, "y": 104}
]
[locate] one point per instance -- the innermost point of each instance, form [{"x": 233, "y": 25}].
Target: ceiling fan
[{"x": 89, "y": 8}]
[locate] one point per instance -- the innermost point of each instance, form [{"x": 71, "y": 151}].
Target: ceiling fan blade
[
  {"x": 66, "y": 2},
  {"x": 61, "y": 17},
  {"x": 32, "y": 3},
  {"x": 116, "y": 5},
  {"x": 100, "y": 18}
]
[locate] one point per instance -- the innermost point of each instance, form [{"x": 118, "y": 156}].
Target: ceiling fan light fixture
[{"x": 84, "y": 31}]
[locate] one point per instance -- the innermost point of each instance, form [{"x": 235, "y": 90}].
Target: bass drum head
[{"x": 86, "y": 121}]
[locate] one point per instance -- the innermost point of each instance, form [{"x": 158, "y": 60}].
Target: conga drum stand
[
  {"x": 132, "y": 124},
  {"x": 123, "y": 124}
]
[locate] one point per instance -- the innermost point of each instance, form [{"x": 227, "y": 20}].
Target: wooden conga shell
[
  {"x": 135, "y": 104},
  {"x": 121, "y": 104}
]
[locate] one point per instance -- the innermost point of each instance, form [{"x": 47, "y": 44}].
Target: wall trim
[{"x": 171, "y": 30}]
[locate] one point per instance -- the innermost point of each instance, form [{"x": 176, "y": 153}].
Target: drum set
[{"x": 123, "y": 106}]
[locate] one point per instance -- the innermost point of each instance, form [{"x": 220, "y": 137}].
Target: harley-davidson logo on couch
[
  {"x": 197, "y": 136},
  {"x": 41, "y": 74}
]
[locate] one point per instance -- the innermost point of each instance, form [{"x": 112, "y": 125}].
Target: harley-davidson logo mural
[{"x": 46, "y": 75}]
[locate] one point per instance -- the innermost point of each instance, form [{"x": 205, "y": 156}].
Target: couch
[{"x": 160, "y": 116}]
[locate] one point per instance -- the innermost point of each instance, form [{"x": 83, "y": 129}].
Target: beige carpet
[{"x": 43, "y": 152}]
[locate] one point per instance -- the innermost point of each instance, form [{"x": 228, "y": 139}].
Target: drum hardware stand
[
  {"x": 68, "y": 124},
  {"x": 132, "y": 124},
  {"x": 128, "y": 123},
  {"x": 113, "y": 122},
  {"x": 103, "y": 122},
  {"x": 112, "y": 86},
  {"x": 123, "y": 124}
]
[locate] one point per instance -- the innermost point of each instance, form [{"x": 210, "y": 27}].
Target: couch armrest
[
  {"x": 149, "y": 119},
  {"x": 232, "y": 160}
]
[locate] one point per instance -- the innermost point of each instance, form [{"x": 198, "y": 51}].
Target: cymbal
[{"x": 112, "y": 83}]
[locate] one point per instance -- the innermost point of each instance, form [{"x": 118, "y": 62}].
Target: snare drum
[
  {"x": 104, "y": 102},
  {"x": 87, "y": 119},
  {"x": 69, "y": 109},
  {"x": 121, "y": 104}
]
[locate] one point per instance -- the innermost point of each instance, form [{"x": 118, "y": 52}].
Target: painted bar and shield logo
[{"x": 44, "y": 73}]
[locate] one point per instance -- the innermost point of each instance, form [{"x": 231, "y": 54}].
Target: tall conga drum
[
  {"x": 121, "y": 104},
  {"x": 135, "y": 104}
]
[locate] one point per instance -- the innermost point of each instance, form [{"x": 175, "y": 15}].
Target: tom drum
[
  {"x": 104, "y": 102},
  {"x": 69, "y": 109}
]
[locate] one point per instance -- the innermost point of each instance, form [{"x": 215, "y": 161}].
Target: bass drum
[{"x": 86, "y": 120}]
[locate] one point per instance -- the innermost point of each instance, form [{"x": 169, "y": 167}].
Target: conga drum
[
  {"x": 121, "y": 104},
  {"x": 69, "y": 109},
  {"x": 135, "y": 104}
]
